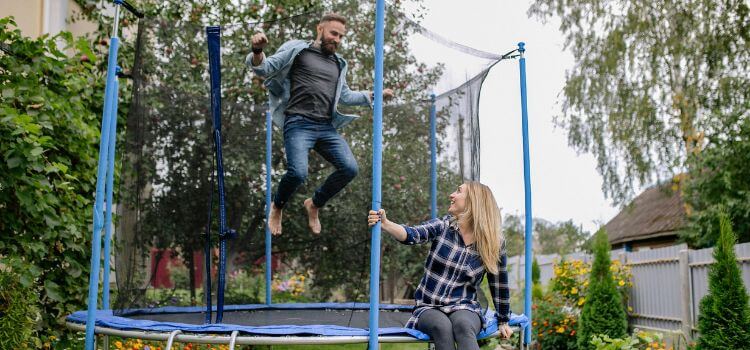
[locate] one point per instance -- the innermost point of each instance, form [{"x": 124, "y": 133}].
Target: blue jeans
[{"x": 302, "y": 134}]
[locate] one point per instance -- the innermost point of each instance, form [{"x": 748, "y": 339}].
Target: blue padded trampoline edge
[{"x": 105, "y": 318}]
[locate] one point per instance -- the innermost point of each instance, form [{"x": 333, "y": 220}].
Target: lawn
[{"x": 117, "y": 343}]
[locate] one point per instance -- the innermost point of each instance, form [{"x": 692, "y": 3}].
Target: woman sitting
[{"x": 465, "y": 244}]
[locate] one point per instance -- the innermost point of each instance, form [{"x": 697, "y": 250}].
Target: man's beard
[{"x": 328, "y": 46}]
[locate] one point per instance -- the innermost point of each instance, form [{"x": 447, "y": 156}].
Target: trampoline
[
  {"x": 280, "y": 323},
  {"x": 297, "y": 323}
]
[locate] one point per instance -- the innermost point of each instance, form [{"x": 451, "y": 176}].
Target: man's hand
[
  {"x": 387, "y": 94},
  {"x": 259, "y": 41}
]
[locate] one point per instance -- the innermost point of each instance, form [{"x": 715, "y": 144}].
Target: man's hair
[{"x": 332, "y": 16}]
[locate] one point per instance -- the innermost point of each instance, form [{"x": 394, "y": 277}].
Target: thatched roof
[{"x": 658, "y": 211}]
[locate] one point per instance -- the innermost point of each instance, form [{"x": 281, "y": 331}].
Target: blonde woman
[{"x": 465, "y": 244}]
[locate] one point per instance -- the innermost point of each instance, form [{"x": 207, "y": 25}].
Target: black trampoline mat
[{"x": 297, "y": 317}]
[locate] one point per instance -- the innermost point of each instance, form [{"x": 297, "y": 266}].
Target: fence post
[{"x": 687, "y": 319}]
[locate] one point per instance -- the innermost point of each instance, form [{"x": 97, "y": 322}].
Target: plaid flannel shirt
[{"x": 453, "y": 272}]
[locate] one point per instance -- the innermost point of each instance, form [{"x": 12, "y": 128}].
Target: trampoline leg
[
  {"x": 106, "y": 342},
  {"x": 233, "y": 339},
  {"x": 171, "y": 338}
]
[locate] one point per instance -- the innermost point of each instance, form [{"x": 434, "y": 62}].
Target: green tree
[
  {"x": 720, "y": 181},
  {"x": 537, "y": 292},
  {"x": 724, "y": 321},
  {"x": 536, "y": 272},
  {"x": 604, "y": 311},
  {"x": 513, "y": 232},
  {"x": 650, "y": 80},
  {"x": 50, "y": 111},
  {"x": 559, "y": 238}
]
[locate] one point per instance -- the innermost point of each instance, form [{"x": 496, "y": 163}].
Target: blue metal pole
[
  {"x": 110, "y": 192},
  {"x": 268, "y": 205},
  {"x": 377, "y": 161},
  {"x": 101, "y": 175},
  {"x": 527, "y": 191},
  {"x": 433, "y": 158}
]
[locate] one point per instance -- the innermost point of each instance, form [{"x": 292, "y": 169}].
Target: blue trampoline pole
[
  {"x": 377, "y": 161},
  {"x": 527, "y": 192},
  {"x": 110, "y": 191},
  {"x": 433, "y": 158},
  {"x": 101, "y": 175},
  {"x": 269, "y": 144}
]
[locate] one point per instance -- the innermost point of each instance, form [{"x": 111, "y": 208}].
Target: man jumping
[{"x": 306, "y": 81}]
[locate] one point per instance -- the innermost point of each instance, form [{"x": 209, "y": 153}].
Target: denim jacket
[{"x": 276, "y": 69}]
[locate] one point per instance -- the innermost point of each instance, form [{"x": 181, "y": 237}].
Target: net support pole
[
  {"x": 214, "y": 59},
  {"x": 527, "y": 192},
  {"x": 101, "y": 175},
  {"x": 433, "y": 157},
  {"x": 269, "y": 144},
  {"x": 110, "y": 192},
  {"x": 377, "y": 160}
]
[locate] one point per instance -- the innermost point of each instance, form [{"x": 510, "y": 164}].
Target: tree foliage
[
  {"x": 720, "y": 181},
  {"x": 19, "y": 303},
  {"x": 651, "y": 79},
  {"x": 513, "y": 232},
  {"x": 560, "y": 237},
  {"x": 49, "y": 130}
]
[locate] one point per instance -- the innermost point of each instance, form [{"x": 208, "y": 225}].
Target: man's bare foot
[
  {"x": 274, "y": 220},
  {"x": 312, "y": 216}
]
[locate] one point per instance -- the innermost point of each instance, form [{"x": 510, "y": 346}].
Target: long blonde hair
[{"x": 482, "y": 215}]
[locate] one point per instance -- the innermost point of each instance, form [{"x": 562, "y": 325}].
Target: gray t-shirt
[{"x": 313, "y": 76}]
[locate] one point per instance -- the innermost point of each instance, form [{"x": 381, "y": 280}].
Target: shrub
[
  {"x": 50, "y": 105},
  {"x": 555, "y": 322},
  {"x": 245, "y": 288},
  {"x": 571, "y": 280},
  {"x": 603, "y": 311},
  {"x": 536, "y": 272},
  {"x": 537, "y": 292},
  {"x": 724, "y": 321},
  {"x": 18, "y": 311},
  {"x": 638, "y": 341},
  {"x": 291, "y": 288}
]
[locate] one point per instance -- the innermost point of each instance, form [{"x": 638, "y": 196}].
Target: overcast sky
[{"x": 565, "y": 185}]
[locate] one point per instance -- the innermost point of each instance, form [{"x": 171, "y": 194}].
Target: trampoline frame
[{"x": 259, "y": 340}]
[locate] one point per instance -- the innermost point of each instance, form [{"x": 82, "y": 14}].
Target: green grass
[
  {"x": 77, "y": 343},
  {"x": 420, "y": 346}
]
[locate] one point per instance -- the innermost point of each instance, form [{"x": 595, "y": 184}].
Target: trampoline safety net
[{"x": 167, "y": 192}]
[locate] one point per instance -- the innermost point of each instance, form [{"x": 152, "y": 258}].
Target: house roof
[{"x": 656, "y": 212}]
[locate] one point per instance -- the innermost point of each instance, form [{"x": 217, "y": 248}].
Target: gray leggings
[{"x": 458, "y": 330}]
